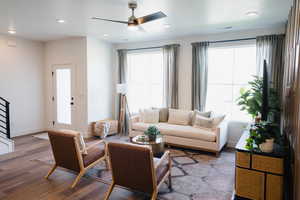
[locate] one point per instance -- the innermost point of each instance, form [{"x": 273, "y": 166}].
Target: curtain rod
[
  {"x": 155, "y": 47},
  {"x": 145, "y": 48},
  {"x": 235, "y": 40}
]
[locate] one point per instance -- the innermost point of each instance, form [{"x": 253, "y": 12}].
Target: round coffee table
[{"x": 157, "y": 146}]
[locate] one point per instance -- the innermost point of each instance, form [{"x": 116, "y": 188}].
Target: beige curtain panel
[
  {"x": 271, "y": 49},
  {"x": 170, "y": 54},
  {"x": 199, "y": 74}
]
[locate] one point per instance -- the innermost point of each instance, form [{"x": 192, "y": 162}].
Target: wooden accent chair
[
  {"x": 133, "y": 167},
  {"x": 67, "y": 153}
]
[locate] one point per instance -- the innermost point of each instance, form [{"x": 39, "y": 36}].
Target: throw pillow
[
  {"x": 203, "y": 114},
  {"x": 163, "y": 114},
  {"x": 151, "y": 116},
  {"x": 217, "y": 119},
  {"x": 179, "y": 117},
  {"x": 203, "y": 122}
]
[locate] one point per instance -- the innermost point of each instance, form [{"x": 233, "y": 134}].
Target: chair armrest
[
  {"x": 95, "y": 144},
  {"x": 165, "y": 157}
]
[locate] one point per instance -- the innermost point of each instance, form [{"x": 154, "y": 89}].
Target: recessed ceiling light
[
  {"x": 12, "y": 31},
  {"x": 105, "y": 35},
  {"x": 167, "y": 26},
  {"x": 61, "y": 21},
  {"x": 252, "y": 13}
]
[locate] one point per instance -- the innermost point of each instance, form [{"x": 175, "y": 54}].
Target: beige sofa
[{"x": 185, "y": 136}]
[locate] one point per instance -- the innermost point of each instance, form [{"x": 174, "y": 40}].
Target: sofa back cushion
[
  {"x": 149, "y": 116},
  {"x": 205, "y": 122},
  {"x": 163, "y": 114},
  {"x": 203, "y": 114},
  {"x": 180, "y": 117}
]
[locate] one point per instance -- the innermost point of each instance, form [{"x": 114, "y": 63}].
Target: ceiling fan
[{"x": 134, "y": 22}]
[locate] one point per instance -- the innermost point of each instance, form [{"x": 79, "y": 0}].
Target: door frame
[{"x": 55, "y": 123}]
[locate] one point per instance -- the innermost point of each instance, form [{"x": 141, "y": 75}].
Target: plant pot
[
  {"x": 152, "y": 137},
  {"x": 257, "y": 119},
  {"x": 267, "y": 146}
]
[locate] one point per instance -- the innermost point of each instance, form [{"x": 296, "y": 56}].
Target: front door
[{"x": 63, "y": 96}]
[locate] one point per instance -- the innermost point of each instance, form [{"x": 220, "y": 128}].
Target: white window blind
[
  {"x": 145, "y": 79},
  {"x": 229, "y": 70}
]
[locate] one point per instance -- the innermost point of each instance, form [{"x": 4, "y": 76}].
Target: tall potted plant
[{"x": 260, "y": 100}]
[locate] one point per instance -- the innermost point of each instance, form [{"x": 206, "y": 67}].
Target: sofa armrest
[
  {"x": 222, "y": 134},
  {"x": 133, "y": 119}
]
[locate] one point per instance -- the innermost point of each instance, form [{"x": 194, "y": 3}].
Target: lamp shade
[{"x": 122, "y": 88}]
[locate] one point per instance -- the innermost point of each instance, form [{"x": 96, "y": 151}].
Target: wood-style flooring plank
[{"x": 22, "y": 177}]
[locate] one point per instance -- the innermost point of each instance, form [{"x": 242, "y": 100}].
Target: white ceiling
[{"x": 36, "y": 19}]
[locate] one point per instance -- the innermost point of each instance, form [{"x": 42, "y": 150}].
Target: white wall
[
  {"x": 100, "y": 79},
  {"x": 185, "y": 64},
  {"x": 22, "y": 83},
  {"x": 68, "y": 51}
]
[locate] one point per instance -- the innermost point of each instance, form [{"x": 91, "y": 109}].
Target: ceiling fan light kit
[{"x": 134, "y": 22}]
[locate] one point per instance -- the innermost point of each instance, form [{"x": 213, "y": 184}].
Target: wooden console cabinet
[{"x": 258, "y": 175}]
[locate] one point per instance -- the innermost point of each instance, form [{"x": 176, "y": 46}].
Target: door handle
[{"x": 72, "y": 103}]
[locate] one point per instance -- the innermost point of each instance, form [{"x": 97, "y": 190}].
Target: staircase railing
[{"x": 4, "y": 117}]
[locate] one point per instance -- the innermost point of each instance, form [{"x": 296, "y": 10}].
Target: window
[
  {"x": 145, "y": 79},
  {"x": 229, "y": 70}
]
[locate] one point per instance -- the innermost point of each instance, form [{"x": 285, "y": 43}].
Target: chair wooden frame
[
  {"x": 83, "y": 169},
  {"x": 165, "y": 157}
]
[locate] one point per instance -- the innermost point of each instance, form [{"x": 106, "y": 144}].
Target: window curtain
[
  {"x": 170, "y": 59},
  {"x": 199, "y": 74},
  {"x": 122, "y": 78},
  {"x": 271, "y": 49}
]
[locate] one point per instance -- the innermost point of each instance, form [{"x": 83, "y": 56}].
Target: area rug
[{"x": 196, "y": 175}]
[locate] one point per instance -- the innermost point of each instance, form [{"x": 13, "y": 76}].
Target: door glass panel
[{"x": 63, "y": 95}]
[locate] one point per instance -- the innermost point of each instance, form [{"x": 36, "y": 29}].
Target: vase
[
  {"x": 267, "y": 146},
  {"x": 152, "y": 138}
]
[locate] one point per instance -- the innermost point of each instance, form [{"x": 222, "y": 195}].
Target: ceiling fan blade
[
  {"x": 109, "y": 20},
  {"x": 151, "y": 17}
]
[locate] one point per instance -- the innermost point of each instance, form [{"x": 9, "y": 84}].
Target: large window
[
  {"x": 229, "y": 70},
  {"x": 145, "y": 79}
]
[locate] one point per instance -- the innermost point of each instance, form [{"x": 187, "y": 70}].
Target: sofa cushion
[
  {"x": 217, "y": 119},
  {"x": 204, "y": 122},
  {"x": 179, "y": 131},
  {"x": 163, "y": 114},
  {"x": 150, "y": 116},
  {"x": 199, "y": 113},
  {"x": 141, "y": 126},
  {"x": 179, "y": 117}
]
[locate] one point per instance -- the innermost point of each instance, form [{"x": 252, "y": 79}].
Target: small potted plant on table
[
  {"x": 152, "y": 132},
  {"x": 263, "y": 134}
]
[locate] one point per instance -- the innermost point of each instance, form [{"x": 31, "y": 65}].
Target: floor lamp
[{"x": 122, "y": 90}]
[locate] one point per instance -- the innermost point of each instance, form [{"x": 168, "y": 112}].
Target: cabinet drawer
[
  {"x": 249, "y": 184},
  {"x": 243, "y": 159},
  {"x": 267, "y": 164},
  {"x": 274, "y": 187}
]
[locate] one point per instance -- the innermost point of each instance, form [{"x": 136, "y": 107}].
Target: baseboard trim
[{"x": 30, "y": 133}]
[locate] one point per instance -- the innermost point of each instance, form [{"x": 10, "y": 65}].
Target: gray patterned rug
[{"x": 196, "y": 175}]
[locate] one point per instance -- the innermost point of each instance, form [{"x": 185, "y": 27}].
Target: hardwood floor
[{"x": 22, "y": 177}]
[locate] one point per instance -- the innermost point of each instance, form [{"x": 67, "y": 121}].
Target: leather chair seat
[{"x": 93, "y": 154}]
